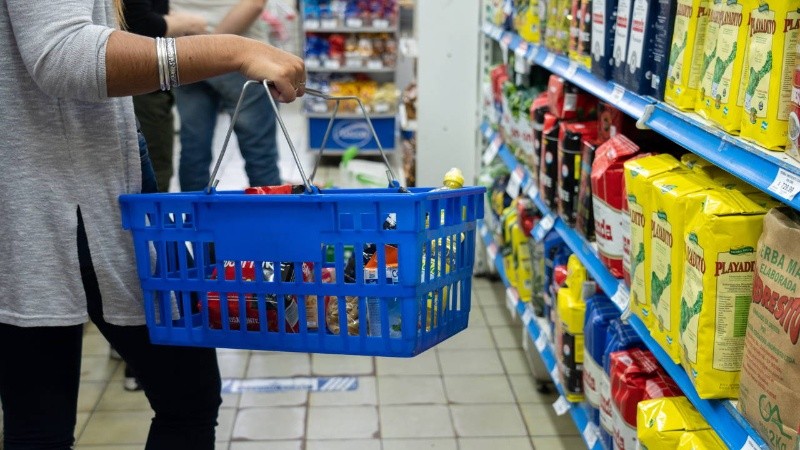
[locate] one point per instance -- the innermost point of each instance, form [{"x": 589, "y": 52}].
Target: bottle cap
[{"x": 454, "y": 178}]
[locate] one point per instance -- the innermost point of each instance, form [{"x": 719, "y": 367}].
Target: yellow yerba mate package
[
  {"x": 522, "y": 263},
  {"x": 701, "y": 440},
  {"x": 722, "y": 87},
  {"x": 720, "y": 254},
  {"x": 686, "y": 55},
  {"x": 509, "y": 219},
  {"x": 774, "y": 29},
  {"x": 672, "y": 196},
  {"x": 661, "y": 422},
  {"x": 700, "y": 165},
  {"x": 639, "y": 175}
]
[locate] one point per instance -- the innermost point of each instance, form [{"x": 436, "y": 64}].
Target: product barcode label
[
  {"x": 750, "y": 444},
  {"x": 311, "y": 24},
  {"x": 590, "y": 434},
  {"x": 549, "y": 60},
  {"x": 354, "y": 22},
  {"x": 622, "y": 298},
  {"x": 541, "y": 342},
  {"x": 514, "y": 183},
  {"x": 786, "y": 185},
  {"x": 571, "y": 70},
  {"x": 561, "y": 406},
  {"x": 618, "y": 93},
  {"x": 543, "y": 227},
  {"x": 491, "y": 150}
]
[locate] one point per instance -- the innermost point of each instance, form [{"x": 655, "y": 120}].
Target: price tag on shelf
[
  {"x": 541, "y": 342},
  {"x": 319, "y": 107},
  {"x": 332, "y": 64},
  {"x": 561, "y": 406},
  {"x": 312, "y": 63},
  {"x": 522, "y": 66},
  {"x": 549, "y": 60},
  {"x": 354, "y": 22},
  {"x": 555, "y": 375},
  {"x": 491, "y": 249},
  {"x": 543, "y": 227},
  {"x": 353, "y": 62},
  {"x": 571, "y": 70},
  {"x": 533, "y": 190},
  {"x": 487, "y": 28},
  {"x": 522, "y": 49},
  {"x": 512, "y": 298},
  {"x": 527, "y": 316},
  {"x": 329, "y": 23},
  {"x": 618, "y": 93},
  {"x": 750, "y": 444},
  {"x": 375, "y": 64},
  {"x": 622, "y": 298},
  {"x": 311, "y": 24},
  {"x": 786, "y": 185},
  {"x": 514, "y": 183},
  {"x": 380, "y": 23},
  {"x": 590, "y": 434},
  {"x": 491, "y": 150}
]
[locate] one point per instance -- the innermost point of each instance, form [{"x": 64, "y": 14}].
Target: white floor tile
[
  {"x": 470, "y": 362},
  {"x": 418, "y": 421},
  {"x": 418, "y": 444},
  {"x": 365, "y": 394},
  {"x": 264, "y": 445},
  {"x": 423, "y": 364},
  {"x": 344, "y": 444},
  {"x": 488, "y": 420},
  {"x": 322, "y": 364},
  {"x": 342, "y": 422},
  {"x": 410, "y": 390},
  {"x": 504, "y": 443},
  {"x": 264, "y": 365},
  {"x": 478, "y": 389},
  {"x": 262, "y": 399},
  {"x": 258, "y": 424}
]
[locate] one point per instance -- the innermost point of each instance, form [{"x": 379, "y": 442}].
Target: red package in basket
[
  {"x": 282, "y": 189},
  {"x": 568, "y": 102},
  {"x": 608, "y": 195},
  {"x": 630, "y": 371}
]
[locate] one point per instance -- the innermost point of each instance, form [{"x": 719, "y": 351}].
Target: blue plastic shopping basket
[{"x": 185, "y": 242}]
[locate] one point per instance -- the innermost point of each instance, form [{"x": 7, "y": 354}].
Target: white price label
[
  {"x": 492, "y": 251},
  {"x": 375, "y": 64},
  {"x": 312, "y": 63},
  {"x": 549, "y": 60},
  {"x": 522, "y": 50},
  {"x": 618, "y": 93},
  {"x": 488, "y": 133},
  {"x": 487, "y": 28},
  {"x": 527, "y": 316},
  {"x": 329, "y": 23},
  {"x": 514, "y": 183},
  {"x": 311, "y": 24},
  {"x": 543, "y": 227},
  {"x": 533, "y": 190},
  {"x": 590, "y": 434},
  {"x": 319, "y": 107},
  {"x": 491, "y": 150},
  {"x": 354, "y": 22},
  {"x": 521, "y": 66},
  {"x": 332, "y": 64},
  {"x": 571, "y": 70},
  {"x": 555, "y": 375},
  {"x": 750, "y": 444},
  {"x": 380, "y": 23},
  {"x": 561, "y": 406},
  {"x": 541, "y": 342},
  {"x": 353, "y": 62},
  {"x": 512, "y": 298},
  {"x": 786, "y": 185},
  {"x": 622, "y": 298}
]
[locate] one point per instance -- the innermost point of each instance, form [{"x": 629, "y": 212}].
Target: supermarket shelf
[
  {"x": 345, "y": 69},
  {"x": 753, "y": 164},
  {"x": 346, "y": 29},
  {"x": 405, "y": 124},
  {"x": 341, "y": 115},
  {"x": 729, "y": 424},
  {"x": 537, "y": 334}
]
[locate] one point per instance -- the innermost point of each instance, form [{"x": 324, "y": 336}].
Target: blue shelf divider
[
  {"x": 720, "y": 414},
  {"x": 745, "y": 160}
]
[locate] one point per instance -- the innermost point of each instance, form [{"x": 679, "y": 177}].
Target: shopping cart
[{"x": 305, "y": 272}]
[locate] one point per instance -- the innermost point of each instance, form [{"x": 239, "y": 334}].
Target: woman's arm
[{"x": 241, "y": 17}]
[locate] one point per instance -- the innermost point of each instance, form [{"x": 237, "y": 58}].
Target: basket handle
[{"x": 213, "y": 181}]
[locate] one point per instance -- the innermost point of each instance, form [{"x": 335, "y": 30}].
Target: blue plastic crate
[{"x": 183, "y": 241}]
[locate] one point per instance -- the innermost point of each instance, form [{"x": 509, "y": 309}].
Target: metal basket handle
[{"x": 213, "y": 181}]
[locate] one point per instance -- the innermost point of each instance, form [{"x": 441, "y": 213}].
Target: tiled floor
[{"x": 473, "y": 391}]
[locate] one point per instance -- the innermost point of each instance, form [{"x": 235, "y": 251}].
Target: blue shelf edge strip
[
  {"x": 747, "y": 161},
  {"x": 723, "y": 418},
  {"x": 589, "y": 432}
]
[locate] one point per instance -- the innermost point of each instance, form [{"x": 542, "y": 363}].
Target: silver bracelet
[
  {"x": 163, "y": 78},
  {"x": 172, "y": 62}
]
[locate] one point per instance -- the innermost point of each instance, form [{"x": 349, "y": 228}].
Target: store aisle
[{"x": 474, "y": 391}]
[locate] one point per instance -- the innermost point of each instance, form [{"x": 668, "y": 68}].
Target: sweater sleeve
[
  {"x": 61, "y": 47},
  {"x": 141, "y": 17}
]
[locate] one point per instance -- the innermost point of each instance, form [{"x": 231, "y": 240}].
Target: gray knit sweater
[{"x": 64, "y": 144}]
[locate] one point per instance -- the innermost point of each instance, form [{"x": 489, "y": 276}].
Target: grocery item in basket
[
  {"x": 584, "y": 52},
  {"x": 600, "y": 311},
  {"x": 768, "y": 396},
  {"x": 686, "y": 53},
  {"x": 793, "y": 146},
  {"x": 569, "y": 328},
  {"x": 607, "y": 198},
  {"x": 701, "y": 440},
  {"x": 722, "y": 89},
  {"x": 567, "y": 101},
  {"x": 621, "y": 336},
  {"x": 646, "y": 62},
  {"x": 768, "y": 69},
  {"x": 391, "y": 305},
  {"x": 720, "y": 239},
  {"x": 548, "y": 167},
  {"x": 630, "y": 370},
  {"x": 622, "y": 32},
  {"x": 662, "y": 422},
  {"x": 584, "y": 214},
  {"x": 672, "y": 197},
  {"x": 539, "y": 108},
  {"x": 282, "y": 189},
  {"x": 639, "y": 175},
  {"x": 604, "y": 22},
  {"x": 571, "y": 137}
]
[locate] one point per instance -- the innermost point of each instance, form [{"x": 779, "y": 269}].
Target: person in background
[
  {"x": 199, "y": 104},
  {"x": 154, "y": 109},
  {"x": 69, "y": 146}
]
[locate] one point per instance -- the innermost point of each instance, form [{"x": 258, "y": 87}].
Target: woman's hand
[{"x": 286, "y": 71}]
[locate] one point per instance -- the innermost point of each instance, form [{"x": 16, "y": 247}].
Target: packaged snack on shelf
[
  {"x": 539, "y": 108},
  {"x": 522, "y": 262},
  {"x": 707, "y": 439},
  {"x": 686, "y": 56},
  {"x": 639, "y": 175},
  {"x": 649, "y": 46},
  {"x": 575, "y": 19},
  {"x": 600, "y": 311},
  {"x": 720, "y": 238},
  {"x": 768, "y": 395},
  {"x": 584, "y": 51},
  {"x": 630, "y": 369},
  {"x": 604, "y": 22},
  {"x": 672, "y": 196},
  {"x": 571, "y": 137},
  {"x": 548, "y": 165},
  {"x": 584, "y": 214},
  {"x": 622, "y": 32},
  {"x": 568, "y": 102},
  {"x": 662, "y": 422},
  {"x": 530, "y": 25},
  {"x": 508, "y": 220},
  {"x": 722, "y": 89},
  {"x": 569, "y": 328},
  {"x": 774, "y": 32},
  {"x": 607, "y": 199}
]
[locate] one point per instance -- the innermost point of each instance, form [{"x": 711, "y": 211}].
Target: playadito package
[
  {"x": 662, "y": 422},
  {"x": 646, "y": 62},
  {"x": 720, "y": 254},
  {"x": 639, "y": 175},
  {"x": 774, "y": 30},
  {"x": 604, "y": 22},
  {"x": 686, "y": 54},
  {"x": 722, "y": 87}
]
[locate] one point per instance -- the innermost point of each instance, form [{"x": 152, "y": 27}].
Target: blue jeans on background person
[{"x": 198, "y": 107}]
